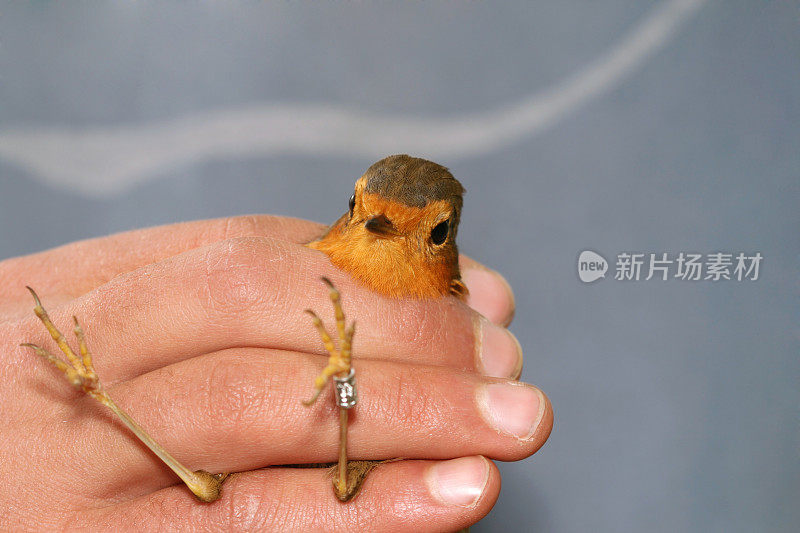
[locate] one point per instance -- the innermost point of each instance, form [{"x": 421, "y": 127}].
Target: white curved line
[{"x": 106, "y": 161}]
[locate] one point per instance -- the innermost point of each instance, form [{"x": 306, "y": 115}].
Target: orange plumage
[{"x": 399, "y": 236}]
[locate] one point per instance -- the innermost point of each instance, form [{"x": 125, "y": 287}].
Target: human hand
[{"x": 197, "y": 331}]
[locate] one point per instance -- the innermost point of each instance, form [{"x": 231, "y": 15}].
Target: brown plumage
[{"x": 399, "y": 235}]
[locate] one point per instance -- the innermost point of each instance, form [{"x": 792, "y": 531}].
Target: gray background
[{"x": 676, "y": 402}]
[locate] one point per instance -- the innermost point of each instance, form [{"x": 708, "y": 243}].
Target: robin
[
  {"x": 398, "y": 238},
  {"x": 399, "y": 235}
]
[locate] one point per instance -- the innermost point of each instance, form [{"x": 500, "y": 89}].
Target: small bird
[
  {"x": 398, "y": 237},
  {"x": 399, "y": 234}
]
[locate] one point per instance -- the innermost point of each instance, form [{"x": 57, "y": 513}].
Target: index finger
[
  {"x": 252, "y": 292},
  {"x": 85, "y": 265}
]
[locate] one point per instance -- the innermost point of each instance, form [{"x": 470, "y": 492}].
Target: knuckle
[
  {"x": 442, "y": 328},
  {"x": 234, "y": 396},
  {"x": 242, "y": 226},
  {"x": 415, "y": 322},
  {"x": 268, "y": 511},
  {"x": 247, "y": 513},
  {"x": 231, "y": 271},
  {"x": 408, "y": 401}
]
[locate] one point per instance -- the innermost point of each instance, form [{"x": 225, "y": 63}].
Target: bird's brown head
[{"x": 399, "y": 233}]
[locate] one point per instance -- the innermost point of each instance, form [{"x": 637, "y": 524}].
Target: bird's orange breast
[
  {"x": 399, "y": 235},
  {"x": 400, "y": 266}
]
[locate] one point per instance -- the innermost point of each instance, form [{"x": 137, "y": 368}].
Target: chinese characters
[{"x": 685, "y": 266}]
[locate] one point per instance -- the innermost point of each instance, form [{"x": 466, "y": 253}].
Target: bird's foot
[
  {"x": 339, "y": 360},
  {"x": 356, "y": 474},
  {"x": 348, "y": 475},
  {"x": 79, "y": 371}
]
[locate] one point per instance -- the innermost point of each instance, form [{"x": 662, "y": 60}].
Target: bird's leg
[
  {"x": 349, "y": 476},
  {"x": 336, "y": 362},
  {"x": 80, "y": 373}
]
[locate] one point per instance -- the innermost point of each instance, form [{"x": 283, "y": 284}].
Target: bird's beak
[{"x": 380, "y": 226}]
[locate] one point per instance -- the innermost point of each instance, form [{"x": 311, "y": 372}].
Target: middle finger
[{"x": 241, "y": 409}]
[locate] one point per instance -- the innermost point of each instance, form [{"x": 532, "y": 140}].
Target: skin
[{"x": 197, "y": 331}]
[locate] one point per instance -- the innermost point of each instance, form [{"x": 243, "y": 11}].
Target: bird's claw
[
  {"x": 339, "y": 359},
  {"x": 80, "y": 372}
]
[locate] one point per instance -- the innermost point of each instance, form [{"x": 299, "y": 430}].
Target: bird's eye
[
  {"x": 352, "y": 204},
  {"x": 439, "y": 232}
]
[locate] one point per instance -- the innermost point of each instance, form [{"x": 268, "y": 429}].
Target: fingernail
[
  {"x": 489, "y": 294},
  {"x": 459, "y": 481},
  {"x": 498, "y": 352},
  {"x": 512, "y": 408}
]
